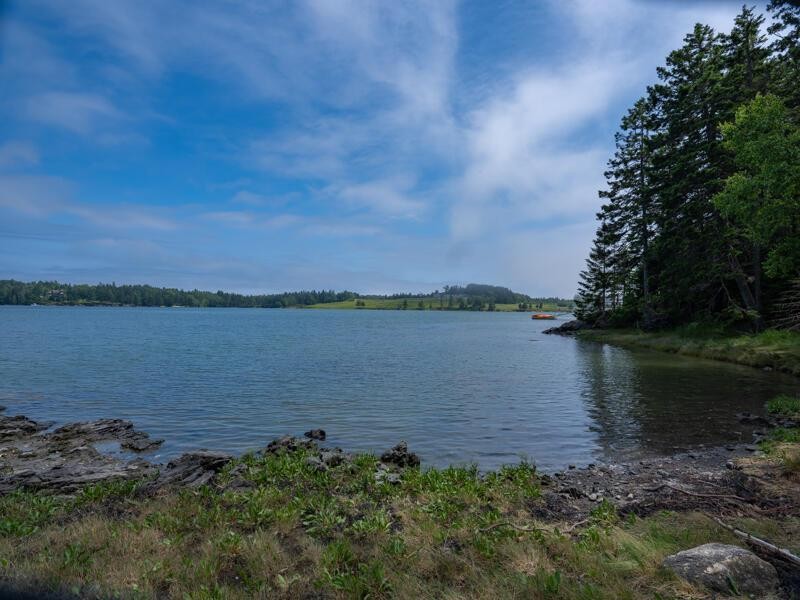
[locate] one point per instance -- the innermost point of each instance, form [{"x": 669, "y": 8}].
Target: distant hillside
[{"x": 470, "y": 297}]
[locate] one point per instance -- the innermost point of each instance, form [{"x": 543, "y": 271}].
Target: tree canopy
[{"x": 700, "y": 212}]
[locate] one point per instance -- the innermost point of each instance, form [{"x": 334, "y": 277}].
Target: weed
[{"x": 784, "y": 405}]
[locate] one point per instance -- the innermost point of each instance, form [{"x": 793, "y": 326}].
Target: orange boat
[{"x": 542, "y": 316}]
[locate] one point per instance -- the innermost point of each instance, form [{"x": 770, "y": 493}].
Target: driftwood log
[{"x": 764, "y": 546}]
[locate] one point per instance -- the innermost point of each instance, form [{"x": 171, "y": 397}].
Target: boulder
[
  {"x": 725, "y": 569},
  {"x": 400, "y": 456},
  {"x": 315, "y": 434},
  {"x": 193, "y": 469}
]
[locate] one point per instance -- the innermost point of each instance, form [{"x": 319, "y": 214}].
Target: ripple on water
[{"x": 459, "y": 387}]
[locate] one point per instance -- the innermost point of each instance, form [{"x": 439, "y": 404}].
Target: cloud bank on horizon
[{"x": 373, "y": 146}]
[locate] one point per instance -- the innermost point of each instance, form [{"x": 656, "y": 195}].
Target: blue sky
[{"x": 267, "y": 146}]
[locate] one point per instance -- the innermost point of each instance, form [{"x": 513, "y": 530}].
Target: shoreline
[
  {"x": 35, "y": 456},
  {"x": 771, "y": 350},
  {"x": 104, "y": 516}
]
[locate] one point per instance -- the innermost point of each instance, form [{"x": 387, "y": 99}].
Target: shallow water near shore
[{"x": 460, "y": 387}]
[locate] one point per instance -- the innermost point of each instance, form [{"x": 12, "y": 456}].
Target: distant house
[{"x": 56, "y": 295}]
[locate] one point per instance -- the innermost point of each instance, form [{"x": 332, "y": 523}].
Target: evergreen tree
[
  {"x": 785, "y": 28},
  {"x": 593, "y": 290}
]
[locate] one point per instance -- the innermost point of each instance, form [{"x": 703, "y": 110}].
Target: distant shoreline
[{"x": 330, "y": 306}]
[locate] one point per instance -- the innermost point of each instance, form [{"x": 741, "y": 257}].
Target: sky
[{"x": 267, "y": 146}]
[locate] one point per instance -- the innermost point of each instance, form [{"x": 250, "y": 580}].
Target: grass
[
  {"x": 784, "y": 405},
  {"x": 296, "y": 532},
  {"x": 413, "y": 304},
  {"x": 779, "y": 350},
  {"x": 783, "y": 443}
]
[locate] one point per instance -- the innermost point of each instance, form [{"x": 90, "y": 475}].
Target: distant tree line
[
  {"x": 470, "y": 297},
  {"x": 477, "y": 296},
  {"x": 53, "y": 292},
  {"x": 701, "y": 219}
]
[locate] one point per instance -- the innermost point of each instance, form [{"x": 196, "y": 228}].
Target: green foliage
[
  {"x": 784, "y": 405},
  {"x": 695, "y": 211},
  {"x": 23, "y": 513},
  {"x": 763, "y": 198}
]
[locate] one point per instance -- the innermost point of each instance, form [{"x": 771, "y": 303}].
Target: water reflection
[{"x": 655, "y": 403}]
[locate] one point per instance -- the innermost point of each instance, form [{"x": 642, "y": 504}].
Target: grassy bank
[
  {"x": 286, "y": 530},
  {"x": 420, "y": 304},
  {"x": 778, "y": 350}
]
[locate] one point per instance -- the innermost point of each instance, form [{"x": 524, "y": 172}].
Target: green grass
[
  {"x": 297, "y": 532},
  {"x": 413, "y": 304},
  {"x": 778, "y": 350},
  {"x": 784, "y": 405}
]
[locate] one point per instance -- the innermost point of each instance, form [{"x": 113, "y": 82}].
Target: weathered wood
[{"x": 765, "y": 546}]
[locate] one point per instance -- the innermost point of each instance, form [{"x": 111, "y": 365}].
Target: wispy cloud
[
  {"x": 18, "y": 153},
  {"x": 50, "y": 197},
  {"x": 283, "y": 136},
  {"x": 77, "y": 112}
]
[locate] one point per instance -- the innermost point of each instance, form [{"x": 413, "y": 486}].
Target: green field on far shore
[{"x": 427, "y": 304}]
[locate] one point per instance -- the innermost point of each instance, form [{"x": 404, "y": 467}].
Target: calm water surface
[{"x": 460, "y": 387}]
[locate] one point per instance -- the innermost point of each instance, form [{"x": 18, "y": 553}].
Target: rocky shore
[
  {"x": 34, "y": 456},
  {"x": 731, "y": 482}
]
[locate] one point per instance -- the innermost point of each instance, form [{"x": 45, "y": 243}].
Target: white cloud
[
  {"x": 374, "y": 125},
  {"x": 392, "y": 197},
  {"x": 18, "y": 153},
  {"x": 76, "y": 111}
]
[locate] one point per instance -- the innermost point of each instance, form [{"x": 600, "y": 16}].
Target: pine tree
[
  {"x": 594, "y": 286},
  {"x": 785, "y": 28},
  {"x": 689, "y": 166},
  {"x": 629, "y": 210}
]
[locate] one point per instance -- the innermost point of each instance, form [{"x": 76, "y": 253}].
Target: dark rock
[
  {"x": 333, "y": 458},
  {"x": 19, "y": 427},
  {"x": 568, "y": 328},
  {"x": 315, "y": 434},
  {"x": 238, "y": 480},
  {"x": 193, "y": 469},
  {"x": 55, "y": 472},
  {"x": 386, "y": 476},
  {"x": 94, "y": 431},
  {"x": 287, "y": 443},
  {"x": 141, "y": 444},
  {"x": 717, "y": 566},
  {"x": 400, "y": 456},
  {"x": 751, "y": 419},
  {"x": 316, "y": 463}
]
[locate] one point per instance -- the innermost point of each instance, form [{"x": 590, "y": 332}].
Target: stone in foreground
[
  {"x": 400, "y": 456},
  {"x": 193, "y": 469},
  {"x": 726, "y": 569}
]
